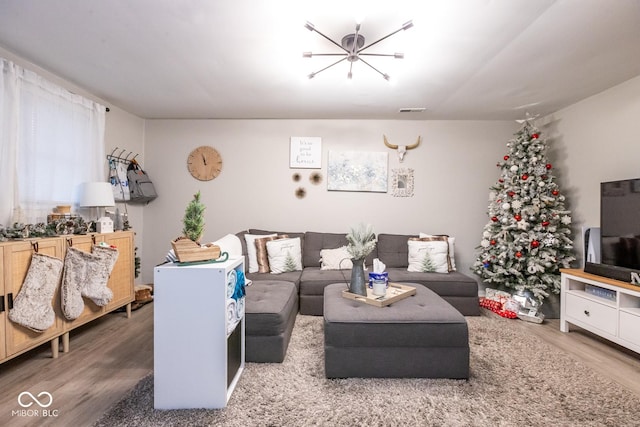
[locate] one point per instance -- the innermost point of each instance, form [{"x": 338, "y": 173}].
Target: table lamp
[{"x": 98, "y": 195}]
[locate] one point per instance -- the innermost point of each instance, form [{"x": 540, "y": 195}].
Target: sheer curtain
[{"x": 54, "y": 141}]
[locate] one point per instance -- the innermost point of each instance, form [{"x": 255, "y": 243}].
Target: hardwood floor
[{"x": 110, "y": 355}]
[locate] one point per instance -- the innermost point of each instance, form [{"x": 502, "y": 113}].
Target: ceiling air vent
[{"x": 413, "y": 110}]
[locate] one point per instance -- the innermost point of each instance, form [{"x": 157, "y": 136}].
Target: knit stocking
[
  {"x": 95, "y": 286},
  {"x": 74, "y": 277},
  {"x": 33, "y": 307}
]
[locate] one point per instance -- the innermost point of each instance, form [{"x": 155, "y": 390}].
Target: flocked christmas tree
[{"x": 527, "y": 239}]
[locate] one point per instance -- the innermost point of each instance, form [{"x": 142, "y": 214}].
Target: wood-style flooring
[{"x": 110, "y": 355}]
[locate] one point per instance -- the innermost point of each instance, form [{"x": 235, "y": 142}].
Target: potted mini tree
[{"x": 188, "y": 248}]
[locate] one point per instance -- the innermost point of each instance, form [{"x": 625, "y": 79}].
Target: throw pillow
[
  {"x": 428, "y": 256},
  {"x": 261, "y": 252},
  {"x": 284, "y": 255},
  {"x": 230, "y": 244},
  {"x": 452, "y": 248},
  {"x": 252, "y": 255},
  {"x": 335, "y": 259}
]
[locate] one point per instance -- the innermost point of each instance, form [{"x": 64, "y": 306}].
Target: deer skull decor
[{"x": 402, "y": 149}]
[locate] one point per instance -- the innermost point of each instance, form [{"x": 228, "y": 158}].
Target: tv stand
[{"x": 606, "y": 307}]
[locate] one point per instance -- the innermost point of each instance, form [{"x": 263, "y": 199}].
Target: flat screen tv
[{"x": 619, "y": 231}]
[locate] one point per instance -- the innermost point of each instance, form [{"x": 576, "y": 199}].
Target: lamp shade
[{"x": 96, "y": 194}]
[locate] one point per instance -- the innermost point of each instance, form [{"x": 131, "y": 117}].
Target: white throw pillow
[
  {"x": 429, "y": 256},
  {"x": 452, "y": 248},
  {"x": 252, "y": 255},
  {"x": 335, "y": 259},
  {"x": 284, "y": 255}
]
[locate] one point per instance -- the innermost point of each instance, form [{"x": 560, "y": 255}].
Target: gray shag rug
[{"x": 516, "y": 379}]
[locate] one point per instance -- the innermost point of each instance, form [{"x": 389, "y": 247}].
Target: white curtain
[{"x": 54, "y": 141}]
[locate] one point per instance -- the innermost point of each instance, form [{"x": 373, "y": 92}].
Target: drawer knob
[{"x": 586, "y": 312}]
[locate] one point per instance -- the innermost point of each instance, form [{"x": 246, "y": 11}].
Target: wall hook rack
[{"x": 120, "y": 157}]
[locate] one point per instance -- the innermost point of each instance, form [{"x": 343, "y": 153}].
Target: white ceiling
[{"x": 464, "y": 59}]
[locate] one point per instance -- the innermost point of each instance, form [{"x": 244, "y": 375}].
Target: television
[{"x": 619, "y": 232}]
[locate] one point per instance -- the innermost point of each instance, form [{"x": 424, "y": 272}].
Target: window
[{"x": 52, "y": 141}]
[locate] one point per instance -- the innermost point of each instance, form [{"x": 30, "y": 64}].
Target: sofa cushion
[
  {"x": 449, "y": 284},
  {"x": 313, "y": 280},
  {"x": 292, "y": 276},
  {"x": 393, "y": 250},
  {"x": 314, "y": 242},
  {"x": 269, "y": 305}
]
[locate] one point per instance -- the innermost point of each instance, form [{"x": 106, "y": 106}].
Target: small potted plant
[
  {"x": 362, "y": 241},
  {"x": 187, "y": 248}
]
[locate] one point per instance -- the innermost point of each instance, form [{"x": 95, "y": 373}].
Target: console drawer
[
  {"x": 589, "y": 312},
  {"x": 629, "y": 330}
]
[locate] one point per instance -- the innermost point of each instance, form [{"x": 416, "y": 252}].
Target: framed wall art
[
  {"x": 357, "y": 171},
  {"x": 305, "y": 152},
  {"x": 402, "y": 182}
]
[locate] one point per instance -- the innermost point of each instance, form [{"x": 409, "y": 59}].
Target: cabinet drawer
[
  {"x": 630, "y": 327},
  {"x": 592, "y": 313}
]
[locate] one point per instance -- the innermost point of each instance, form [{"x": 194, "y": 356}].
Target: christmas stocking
[
  {"x": 74, "y": 277},
  {"x": 95, "y": 285},
  {"x": 32, "y": 307}
]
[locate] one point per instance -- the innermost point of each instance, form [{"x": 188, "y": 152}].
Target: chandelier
[{"x": 353, "y": 47}]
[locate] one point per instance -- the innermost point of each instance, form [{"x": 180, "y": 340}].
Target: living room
[{"x": 591, "y": 139}]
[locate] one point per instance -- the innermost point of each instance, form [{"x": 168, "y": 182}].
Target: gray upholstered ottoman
[
  {"x": 421, "y": 336},
  {"x": 271, "y": 307}
]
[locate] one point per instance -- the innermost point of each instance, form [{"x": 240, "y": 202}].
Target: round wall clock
[{"x": 204, "y": 163}]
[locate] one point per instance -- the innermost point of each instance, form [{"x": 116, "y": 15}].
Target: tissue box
[{"x": 378, "y": 276}]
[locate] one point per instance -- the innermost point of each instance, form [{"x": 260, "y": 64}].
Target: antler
[
  {"x": 395, "y": 147},
  {"x": 411, "y": 147}
]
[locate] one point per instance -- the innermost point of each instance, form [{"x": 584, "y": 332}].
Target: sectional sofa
[{"x": 273, "y": 300}]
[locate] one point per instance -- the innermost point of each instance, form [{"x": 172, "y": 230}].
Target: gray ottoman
[
  {"x": 421, "y": 336},
  {"x": 271, "y": 307}
]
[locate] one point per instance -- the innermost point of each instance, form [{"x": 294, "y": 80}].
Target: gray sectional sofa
[{"x": 273, "y": 300}]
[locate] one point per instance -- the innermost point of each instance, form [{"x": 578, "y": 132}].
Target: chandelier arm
[
  {"x": 404, "y": 27},
  {"x": 332, "y": 41},
  {"x": 330, "y": 54},
  {"x": 386, "y": 76},
  {"x": 329, "y": 66},
  {"x": 379, "y": 54}
]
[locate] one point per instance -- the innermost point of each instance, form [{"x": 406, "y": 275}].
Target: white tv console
[{"x": 607, "y": 307}]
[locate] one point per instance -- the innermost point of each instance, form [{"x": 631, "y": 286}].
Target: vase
[{"x": 358, "y": 285}]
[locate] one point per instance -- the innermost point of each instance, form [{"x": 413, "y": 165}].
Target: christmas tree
[
  {"x": 193, "y": 221},
  {"x": 527, "y": 239}
]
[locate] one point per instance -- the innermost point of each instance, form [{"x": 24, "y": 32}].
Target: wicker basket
[{"x": 187, "y": 250}]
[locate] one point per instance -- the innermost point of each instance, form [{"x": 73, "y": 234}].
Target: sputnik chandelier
[{"x": 353, "y": 48}]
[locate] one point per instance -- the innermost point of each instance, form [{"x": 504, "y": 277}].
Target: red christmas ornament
[
  {"x": 494, "y": 218},
  {"x": 534, "y": 136},
  {"x": 535, "y": 244},
  {"x": 501, "y": 180},
  {"x": 517, "y": 217},
  {"x": 525, "y": 177},
  {"x": 498, "y": 165},
  {"x": 511, "y": 193},
  {"x": 506, "y": 157},
  {"x": 545, "y": 223},
  {"x": 548, "y": 166},
  {"x": 493, "y": 242},
  {"x": 555, "y": 192},
  {"x": 518, "y": 254}
]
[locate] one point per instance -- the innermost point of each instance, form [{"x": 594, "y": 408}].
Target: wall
[
  {"x": 593, "y": 141},
  {"x": 454, "y": 167}
]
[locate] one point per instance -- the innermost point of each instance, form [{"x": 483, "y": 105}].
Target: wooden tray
[{"x": 395, "y": 293}]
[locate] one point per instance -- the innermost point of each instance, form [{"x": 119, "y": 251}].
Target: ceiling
[{"x": 464, "y": 59}]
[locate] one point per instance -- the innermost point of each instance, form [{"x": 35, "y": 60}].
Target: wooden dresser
[{"x": 15, "y": 258}]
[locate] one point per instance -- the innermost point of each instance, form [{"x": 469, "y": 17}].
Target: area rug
[{"x": 516, "y": 379}]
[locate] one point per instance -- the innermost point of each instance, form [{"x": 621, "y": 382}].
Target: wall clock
[{"x": 204, "y": 163}]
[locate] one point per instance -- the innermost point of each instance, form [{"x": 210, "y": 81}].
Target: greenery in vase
[
  {"x": 193, "y": 220},
  {"x": 362, "y": 240}
]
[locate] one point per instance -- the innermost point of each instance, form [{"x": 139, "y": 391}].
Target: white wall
[
  {"x": 454, "y": 167},
  {"x": 595, "y": 140}
]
